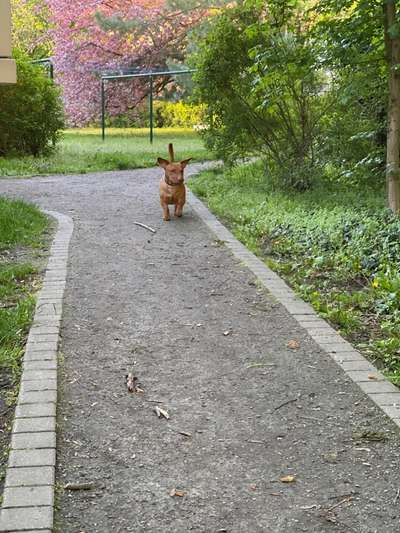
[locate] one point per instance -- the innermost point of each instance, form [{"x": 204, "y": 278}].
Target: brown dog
[{"x": 172, "y": 186}]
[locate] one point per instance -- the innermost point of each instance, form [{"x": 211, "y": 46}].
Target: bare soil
[{"x": 210, "y": 347}]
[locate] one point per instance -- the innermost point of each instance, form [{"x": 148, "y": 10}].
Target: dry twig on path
[
  {"x": 79, "y": 486},
  {"x": 285, "y": 403},
  {"x": 161, "y": 412},
  {"x": 145, "y": 226}
]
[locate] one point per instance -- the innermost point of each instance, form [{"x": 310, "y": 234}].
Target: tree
[
  {"x": 30, "y": 27},
  {"x": 392, "y": 46},
  {"x": 258, "y": 73},
  {"x": 364, "y": 36},
  {"x": 91, "y": 37}
]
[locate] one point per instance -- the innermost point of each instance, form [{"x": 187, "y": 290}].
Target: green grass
[
  {"x": 338, "y": 247},
  {"x": 14, "y": 326},
  {"x": 14, "y": 280},
  {"x": 22, "y": 228},
  {"x": 20, "y": 224},
  {"x": 82, "y": 150}
]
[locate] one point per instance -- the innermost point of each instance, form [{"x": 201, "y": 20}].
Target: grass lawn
[
  {"x": 82, "y": 150},
  {"x": 22, "y": 233},
  {"x": 338, "y": 246},
  {"x": 22, "y": 228}
]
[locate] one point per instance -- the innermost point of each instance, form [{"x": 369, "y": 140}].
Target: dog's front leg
[
  {"x": 178, "y": 209},
  {"x": 165, "y": 209}
]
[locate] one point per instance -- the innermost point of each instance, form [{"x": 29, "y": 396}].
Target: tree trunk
[{"x": 392, "y": 43}]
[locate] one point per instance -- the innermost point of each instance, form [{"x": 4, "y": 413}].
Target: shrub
[
  {"x": 263, "y": 89},
  {"x": 31, "y": 113},
  {"x": 180, "y": 114},
  {"x": 166, "y": 115}
]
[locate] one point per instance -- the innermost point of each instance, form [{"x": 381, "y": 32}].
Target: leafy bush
[
  {"x": 31, "y": 113},
  {"x": 264, "y": 90},
  {"x": 166, "y": 115},
  {"x": 179, "y": 115}
]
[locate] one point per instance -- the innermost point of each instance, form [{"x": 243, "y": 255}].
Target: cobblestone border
[
  {"x": 360, "y": 370},
  {"x": 28, "y": 498}
]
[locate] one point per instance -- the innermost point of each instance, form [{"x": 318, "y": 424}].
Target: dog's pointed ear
[
  {"x": 185, "y": 162},
  {"x": 162, "y": 162}
]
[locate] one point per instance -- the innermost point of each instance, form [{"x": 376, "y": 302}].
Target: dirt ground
[{"x": 210, "y": 347}]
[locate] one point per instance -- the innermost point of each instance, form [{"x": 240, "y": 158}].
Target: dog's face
[{"x": 173, "y": 171}]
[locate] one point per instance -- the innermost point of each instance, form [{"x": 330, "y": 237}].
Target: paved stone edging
[
  {"x": 28, "y": 499},
  {"x": 358, "y": 368}
]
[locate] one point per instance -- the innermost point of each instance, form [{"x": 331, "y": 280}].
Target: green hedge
[{"x": 31, "y": 112}]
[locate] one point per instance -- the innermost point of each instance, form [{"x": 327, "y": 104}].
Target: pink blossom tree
[{"x": 98, "y": 35}]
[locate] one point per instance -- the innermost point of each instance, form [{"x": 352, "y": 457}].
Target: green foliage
[
  {"x": 338, "y": 247},
  {"x": 179, "y": 115},
  {"x": 30, "y": 28},
  {"x": 355, "y": 129},
  {"x": 223, "y": 84},
  {"x": 166, "y": 115},
  {"x": 303, "y": 83},
  {"x": 260, "y": 78},
  {"x": 31, "y": 113}
]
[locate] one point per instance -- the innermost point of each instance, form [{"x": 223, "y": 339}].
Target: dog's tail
[{"x": 171, "y": 152}]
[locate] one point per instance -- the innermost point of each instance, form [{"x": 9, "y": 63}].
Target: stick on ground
[{"x": 145, "y": 226}]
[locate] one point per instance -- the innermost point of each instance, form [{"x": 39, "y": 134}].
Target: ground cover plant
[
  {"x": 339, "y": 248},
  {"x": 82, "y": 150},
  {"x": 22, "y": 234}
]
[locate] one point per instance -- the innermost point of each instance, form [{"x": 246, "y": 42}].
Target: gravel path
[{"x": 211, "y": 347}]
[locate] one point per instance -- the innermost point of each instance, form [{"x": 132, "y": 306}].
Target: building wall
[{"x": 7, "y": 64}]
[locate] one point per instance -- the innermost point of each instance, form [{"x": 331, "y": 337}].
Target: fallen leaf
[
  {"x": 176, "y": 492},
  {"x": 372, "y": 376},
  {"x": 227, "y": 332},
  {"x": 253, "y": 487},
  {"x": 161, "y": 412},
  {"x": 293, "y": 344},
  {"x": 131, "y": 382},
  {"x": 288, "y": 479}
]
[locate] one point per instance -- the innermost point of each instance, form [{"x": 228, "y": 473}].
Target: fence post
[
  {"x": 151, "y": 109},
  {"x": 103, "y": 110}
]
